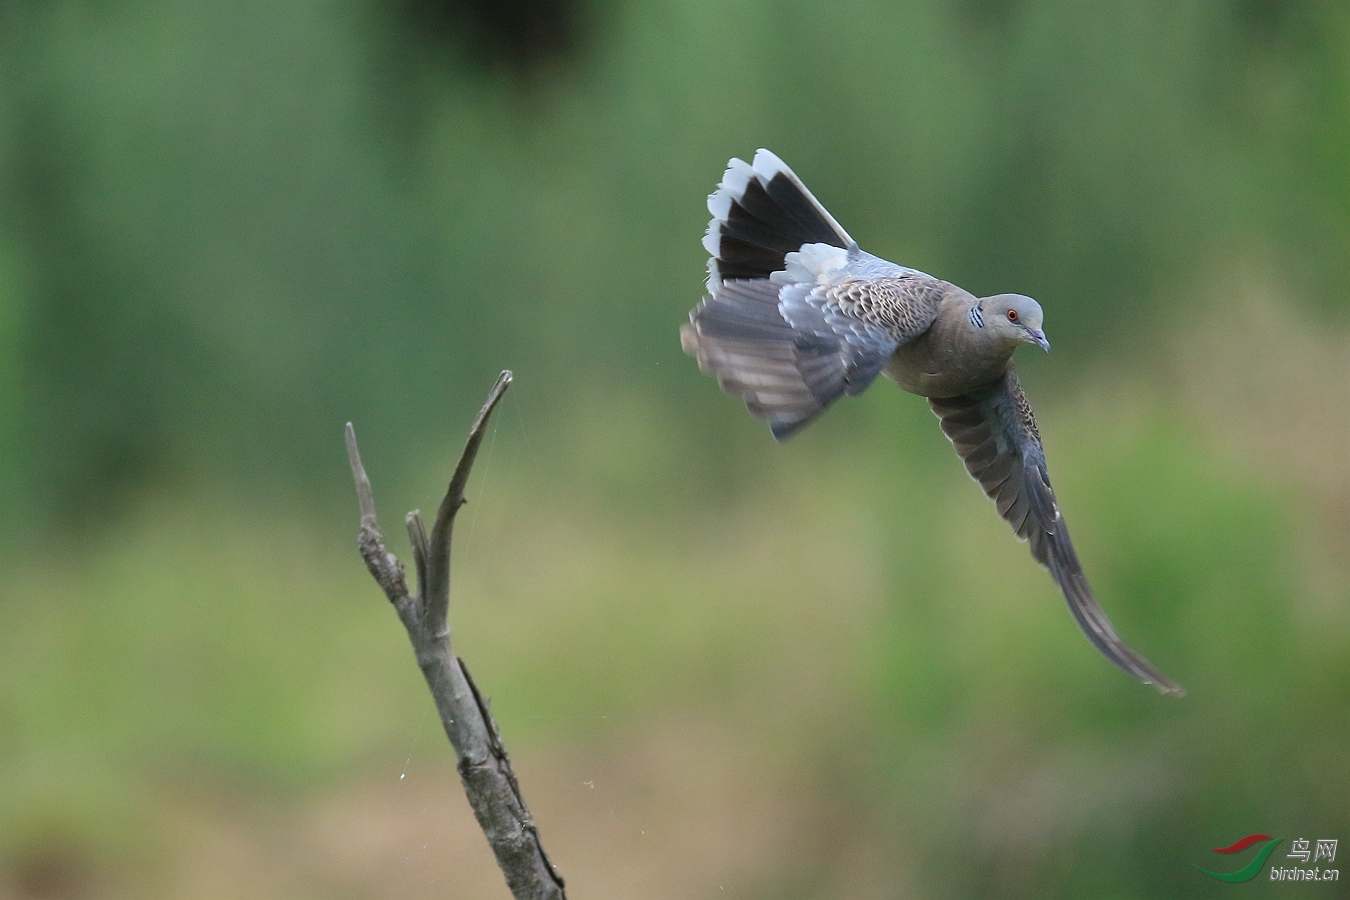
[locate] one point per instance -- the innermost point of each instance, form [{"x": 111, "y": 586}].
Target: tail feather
[
  {"x": 762, "y": 212},
  {"x": 743, "y": 259}
]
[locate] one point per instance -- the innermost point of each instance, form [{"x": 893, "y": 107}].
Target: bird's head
[{"x": 1016, "y": 319}]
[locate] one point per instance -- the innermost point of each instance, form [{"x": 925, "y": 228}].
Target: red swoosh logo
[{"x": 1242, "y": 844}]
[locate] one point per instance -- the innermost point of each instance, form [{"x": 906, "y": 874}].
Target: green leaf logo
[{"x": 1247, "y": 872}]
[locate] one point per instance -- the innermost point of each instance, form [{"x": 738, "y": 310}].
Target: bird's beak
[{"x": 1038, "y": 338}]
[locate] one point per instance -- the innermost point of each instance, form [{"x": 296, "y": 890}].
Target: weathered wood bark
[{"x": 484, "y": 768}]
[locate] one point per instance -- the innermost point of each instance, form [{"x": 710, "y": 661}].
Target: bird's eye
[{"x": 1012, "y": 315}]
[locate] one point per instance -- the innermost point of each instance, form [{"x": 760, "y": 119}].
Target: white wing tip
[
  {"x": 712, "y": 241},
  {"x": 769, "y": 164},
  {"x": 734, "y": 181},
  {"x": 719, "y": 205}
]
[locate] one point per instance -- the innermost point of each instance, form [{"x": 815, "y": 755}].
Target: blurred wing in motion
[
  {"x": 995, "y": 433},
  {"x": 796, "y": 315},
  {"x": 789, "y": 351},
  {"x": 786, "y": 374}
]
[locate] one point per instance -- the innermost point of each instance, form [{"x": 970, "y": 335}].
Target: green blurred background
[{"x": 724, "y": 667}]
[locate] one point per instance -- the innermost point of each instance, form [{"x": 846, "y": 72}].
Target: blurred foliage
[
  {"x": 230, "y": 228},
  {"x": 226, "y": 229}
]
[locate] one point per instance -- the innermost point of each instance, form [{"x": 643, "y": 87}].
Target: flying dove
[{"x": 797, "y": 315}]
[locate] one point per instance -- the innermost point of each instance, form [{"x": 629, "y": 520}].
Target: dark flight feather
[{"x": 995, "y": 433}]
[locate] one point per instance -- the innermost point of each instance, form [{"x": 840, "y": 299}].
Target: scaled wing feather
[
  {"x": 995, "y": 433},
  {"x": 789, "y": 351}
]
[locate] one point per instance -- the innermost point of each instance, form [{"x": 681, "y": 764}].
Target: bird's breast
[{"x": 940, "y": 365}]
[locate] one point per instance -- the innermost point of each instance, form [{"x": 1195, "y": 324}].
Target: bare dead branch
[
  {"x": 384, "y": 566},
  {"x": 484, "y": 768},
  {"x": 417, "y": 535},
  {"x": 438, "y": 560}
]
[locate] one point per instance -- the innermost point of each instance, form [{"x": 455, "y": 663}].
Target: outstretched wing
[
  {"x": 796, "y": 314},
  {"x": 994, "y": 432},
  {"x": 789, "y": 351}
]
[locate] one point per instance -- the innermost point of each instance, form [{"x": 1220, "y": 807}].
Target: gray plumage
[{"x": 797, "y": 315}]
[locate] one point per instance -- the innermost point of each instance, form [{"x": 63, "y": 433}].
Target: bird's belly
[{"x": 919, "y": 369}]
